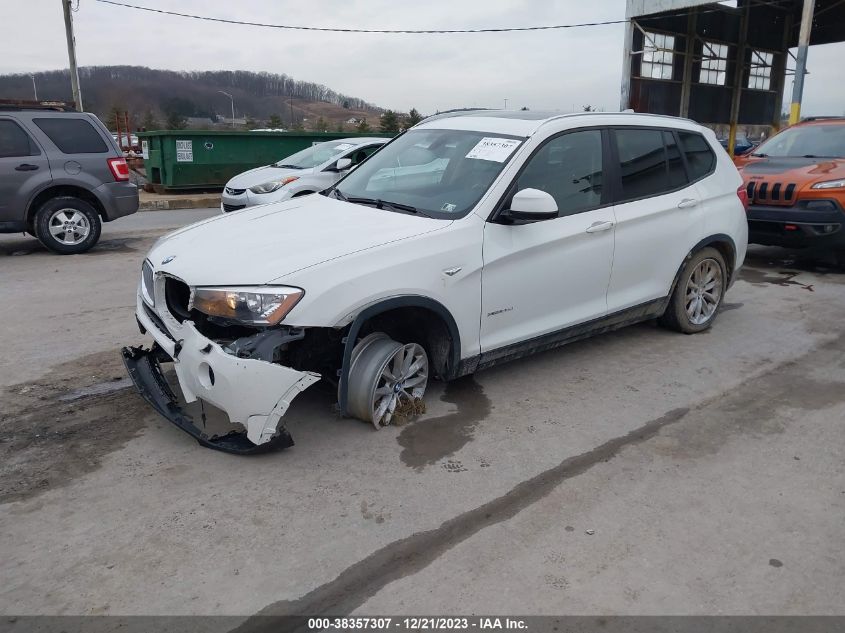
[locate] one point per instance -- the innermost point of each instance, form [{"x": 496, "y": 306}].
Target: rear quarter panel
[{"x": 723, "y": 211}]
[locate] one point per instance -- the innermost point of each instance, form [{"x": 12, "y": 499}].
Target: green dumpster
[{"x": 178, "y": 160}]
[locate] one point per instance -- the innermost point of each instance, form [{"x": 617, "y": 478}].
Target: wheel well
[
  {"x": 721, "y": 243},
  {"x": 63, "y": 190},
  {"x": 727, "y": 251},
  {"x": 414, "y": 324}
]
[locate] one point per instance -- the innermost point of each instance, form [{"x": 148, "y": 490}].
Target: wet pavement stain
[
  {"x": 117, "y": 245},
  {"x": 401, "y": 558},
  {"x": 61, "y": 426},
  {"x": 103, "y": 247},
  {"x": 429, "y": 440},
  {"x": 783, "y": 278}
]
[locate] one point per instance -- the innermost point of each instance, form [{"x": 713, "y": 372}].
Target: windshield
[
  {"x": 315, "y": 155},
  {"x": 437, "y": 173},
  {"x": 826, "y": 141}
]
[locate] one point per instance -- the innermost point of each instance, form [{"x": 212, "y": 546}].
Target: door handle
[
  {"x": 688, "y": 203},
  {"x": 26, "y": 167},
  {"x": 598, "y": 227}
]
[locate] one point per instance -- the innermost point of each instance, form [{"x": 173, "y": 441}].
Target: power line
[{"x": 341, "y": 30}]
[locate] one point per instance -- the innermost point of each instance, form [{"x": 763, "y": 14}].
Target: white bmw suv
[{"x": 469, "y": 240}]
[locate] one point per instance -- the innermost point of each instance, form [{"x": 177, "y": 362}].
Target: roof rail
[
  {"x": 25, "y": 104},
  {"x": 823, "y": 118},
  {"x": 452, "y": 112}
]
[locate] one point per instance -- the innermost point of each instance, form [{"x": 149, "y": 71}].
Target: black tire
[
  {"x": 676, "y": 316},
  {"x": 49, "y": 209}
]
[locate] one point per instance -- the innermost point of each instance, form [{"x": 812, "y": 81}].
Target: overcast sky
[{"x": 558, "y": 69}]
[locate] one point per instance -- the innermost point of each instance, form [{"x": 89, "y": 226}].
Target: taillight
[
  {"x": 119, "y": 168},
  {"x": 742, "y": 194}
]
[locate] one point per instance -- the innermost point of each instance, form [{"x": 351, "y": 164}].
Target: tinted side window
[
  {"x": 72, "y": 136},
  {"x": 362, "y": 154},
  {"x": 700, "y": 157},
  {"x": 569, "y": 168},
  {"x": 14, "y": 141},
  {"x": 643, "y": 163}
]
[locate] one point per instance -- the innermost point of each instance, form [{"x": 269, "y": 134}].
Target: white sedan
[{"x": 308, "y": 171}]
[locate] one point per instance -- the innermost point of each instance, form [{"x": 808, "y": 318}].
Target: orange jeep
[{"x": 796, "y": 187}]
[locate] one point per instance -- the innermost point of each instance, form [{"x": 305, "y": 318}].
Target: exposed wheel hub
[{"x": 384, "y": 374}]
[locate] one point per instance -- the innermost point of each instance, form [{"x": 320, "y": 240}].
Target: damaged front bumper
[{"x": 253, "y": 393}]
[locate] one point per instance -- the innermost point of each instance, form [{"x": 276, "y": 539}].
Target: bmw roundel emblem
[{"x": 168, "y": 259}]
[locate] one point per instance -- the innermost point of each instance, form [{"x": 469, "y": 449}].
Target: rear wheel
[
  {"x": 385, "y": 377},
  {"x": 67, "y": 225},
  {"x": 698, "y": 294}
]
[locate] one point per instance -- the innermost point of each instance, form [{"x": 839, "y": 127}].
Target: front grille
[
  {"x": 177, "y": 294},
  {"x": 235, "y": 192},
  {"x": 157, "y": 321},
  {"x": 771, "y": 193},
  {"x": 232, "y": 207}
]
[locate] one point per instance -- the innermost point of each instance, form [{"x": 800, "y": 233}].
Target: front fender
[{"x": 384, "y": 305}]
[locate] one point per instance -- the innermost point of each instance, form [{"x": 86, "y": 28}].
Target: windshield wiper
[
  {"x": 339, "y": 194},
  {"x": 284, "y": 166},
  {"x": 758, "y": 155},
  {"x": 390, "y": 206}
]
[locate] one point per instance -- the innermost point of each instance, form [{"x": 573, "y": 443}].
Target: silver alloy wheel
[
  {"x": 382, "y": 375},
  {"x": 704, "y": 291},
  {"x": 69, "y": 226}
]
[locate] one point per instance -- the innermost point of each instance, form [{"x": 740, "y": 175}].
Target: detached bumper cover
[
  {"x": 144, "y": 369},
  {"x": 253, "y": 393}
]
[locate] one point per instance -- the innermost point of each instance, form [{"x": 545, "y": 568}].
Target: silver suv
[{"x": 61, "y": 176}]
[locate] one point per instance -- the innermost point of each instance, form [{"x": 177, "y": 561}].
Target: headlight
[
  {"x": 254, "y": 305},
  {"x": 273, "y": 185},
  {"x": 148, "y": 283},
  {"x": 830, "y": 184}
]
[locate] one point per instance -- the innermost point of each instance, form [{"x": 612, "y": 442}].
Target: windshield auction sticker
[{"x": 492, "y": 148}]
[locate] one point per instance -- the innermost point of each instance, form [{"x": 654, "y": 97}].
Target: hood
[
  {"x": 267, "y": 242},
  {"x": 260, "y": 175},
  {"x": 801, "y": 171}
]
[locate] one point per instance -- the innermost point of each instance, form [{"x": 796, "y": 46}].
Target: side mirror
[
  {"x": 343, "y": 164},
  {"x": 532, "y": 205}
]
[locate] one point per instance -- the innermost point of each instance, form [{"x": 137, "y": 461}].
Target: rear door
[
  {"x": 659, "y": 215},
  {"x": 80, "y": 147},
  {"x": 24, "y": 169}
]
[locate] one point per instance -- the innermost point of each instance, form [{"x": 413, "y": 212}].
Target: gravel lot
[{"x": 641, "y": 472}]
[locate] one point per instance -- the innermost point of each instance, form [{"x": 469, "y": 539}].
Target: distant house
[
  {"x": 228, "y": 121},
  {"x": 199, "y": 121},
  {"x": 352, "y": 121}
]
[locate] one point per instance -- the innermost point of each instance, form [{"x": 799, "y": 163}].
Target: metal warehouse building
[{"x": 722, "y": 63}]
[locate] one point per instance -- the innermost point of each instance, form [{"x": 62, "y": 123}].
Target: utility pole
[
  {"x": 233, "y": 105},
  {"x": 34, "y": 89},
  {"x": 71, "y": 54},
  {"x": 801, "y": 60}
]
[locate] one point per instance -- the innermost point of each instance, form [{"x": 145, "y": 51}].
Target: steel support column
[
  {"x": 627, "y": 54},
  {"x": 801, "y": 60},
  {"x": 686, "y": 80},
  {"x": 739, "y": 76}
]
